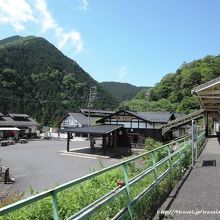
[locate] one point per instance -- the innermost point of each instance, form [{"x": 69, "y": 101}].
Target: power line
[
  {"x": 43, "y": 101},
  {"x": 47, "y": 101}
]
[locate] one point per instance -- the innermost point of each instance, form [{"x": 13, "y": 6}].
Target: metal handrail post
[
  {"x": 193, "y": 141},
  {"x": 155, "y": 170},
  {"x": 55, "y": 206},
  {"x": 125, "y": 169},
  {"x": 170, "y": 158},
  {"x": 154, "y": 165}
]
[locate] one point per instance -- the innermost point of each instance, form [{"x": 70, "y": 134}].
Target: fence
[{"x": 171, "y": 155}]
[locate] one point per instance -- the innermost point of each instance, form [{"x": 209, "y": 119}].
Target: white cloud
[
  {"x": 84, "y": 4},
  {"x": 122, "y": 72},
  {"x": 16, "y": 13},
  {"x": 46, "y": 19},
  {"x": 48, "y": 23},
  {"x": 73, "y": 37}
]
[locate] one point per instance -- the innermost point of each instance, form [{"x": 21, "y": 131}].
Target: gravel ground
[{"x": 4, "y": 189}]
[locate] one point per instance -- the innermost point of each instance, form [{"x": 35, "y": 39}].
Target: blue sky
[{"x": 120, "y": 40}]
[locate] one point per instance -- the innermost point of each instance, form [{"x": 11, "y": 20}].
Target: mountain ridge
[
  {"x": 31, "y": 68},
  {"x": 122, "y": 91}
]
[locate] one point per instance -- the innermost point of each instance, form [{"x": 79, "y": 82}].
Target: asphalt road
[{"x": 39, "y": 165}]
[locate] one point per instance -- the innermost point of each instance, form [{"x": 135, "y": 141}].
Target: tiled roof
[
  {"x": 98, "y": 129},
  {"x": 82, "y": 119},
  {"x": 151, "y": 117},
  {"x": 159, "y": 117},
  {"x": 8, "y": 121}
]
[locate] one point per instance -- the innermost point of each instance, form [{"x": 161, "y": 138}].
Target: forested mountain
[
  {"x": 122, "y": 91},
  {"x": 173, "y": 92},
  {"x": 37, "y": 79}
]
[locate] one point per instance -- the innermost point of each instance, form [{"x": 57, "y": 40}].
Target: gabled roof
[
  {"x": 1, "y": 115},
  {"x": 82, "y": 119},
  {"x": 158, "y": 117},
  {"x": 8, "y": 121},
  {"x": 151, "y": 117}
]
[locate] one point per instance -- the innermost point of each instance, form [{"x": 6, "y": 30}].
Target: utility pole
[{"x": 92, "y": 97}]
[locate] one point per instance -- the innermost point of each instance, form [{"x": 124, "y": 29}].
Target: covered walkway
[{"x": 199, "y": 195}]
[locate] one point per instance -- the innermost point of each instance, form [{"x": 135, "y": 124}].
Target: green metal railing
[{"x": 175, "y": 153}]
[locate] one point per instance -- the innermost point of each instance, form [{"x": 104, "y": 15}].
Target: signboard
[{"x": 124, "y": 118}]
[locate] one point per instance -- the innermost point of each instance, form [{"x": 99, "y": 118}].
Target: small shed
[{"x": 109, "y": 134}]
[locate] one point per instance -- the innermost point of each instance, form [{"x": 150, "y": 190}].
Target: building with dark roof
[
  {"x": 27, "y": 125},
  {"x": 137, "y": 126},
  {"x": 81, "y": 119},
  {"x": 77, "y": 119},
  {"x": 122, "y": 128}
]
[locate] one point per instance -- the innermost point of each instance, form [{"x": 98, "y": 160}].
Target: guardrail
[{"x": 173, "y": 154}]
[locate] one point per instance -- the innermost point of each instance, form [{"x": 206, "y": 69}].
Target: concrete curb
[{"x": 95, "y": 156}]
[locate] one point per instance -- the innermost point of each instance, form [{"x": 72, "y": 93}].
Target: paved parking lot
[{"x": 39, "y": 165}]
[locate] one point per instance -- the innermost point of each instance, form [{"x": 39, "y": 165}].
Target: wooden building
[
  {"x": 137, "y": 126},
  {"x": 81, "y": 118},
  {"x": 126, "y": 129},
  {"x": 26, "y": 125}
]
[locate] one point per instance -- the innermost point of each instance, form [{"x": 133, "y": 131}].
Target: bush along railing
[{"x": 131, "y": 189}]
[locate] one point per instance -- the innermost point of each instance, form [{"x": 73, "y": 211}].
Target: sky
[{"x": 133, "y": 41}]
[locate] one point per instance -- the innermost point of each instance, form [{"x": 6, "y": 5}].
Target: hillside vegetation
[
  {"x": 173, "y": 92},
  {"x": 122, "y": 91},
  {"x": 37, "y": 79}
]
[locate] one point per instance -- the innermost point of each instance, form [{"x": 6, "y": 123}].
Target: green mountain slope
[
  {"x": 173, "y": 92},
  {"x": 37, "y": 79},
  {"x": 10, "y": 39},
  {"x": 122, "y": 91}
]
